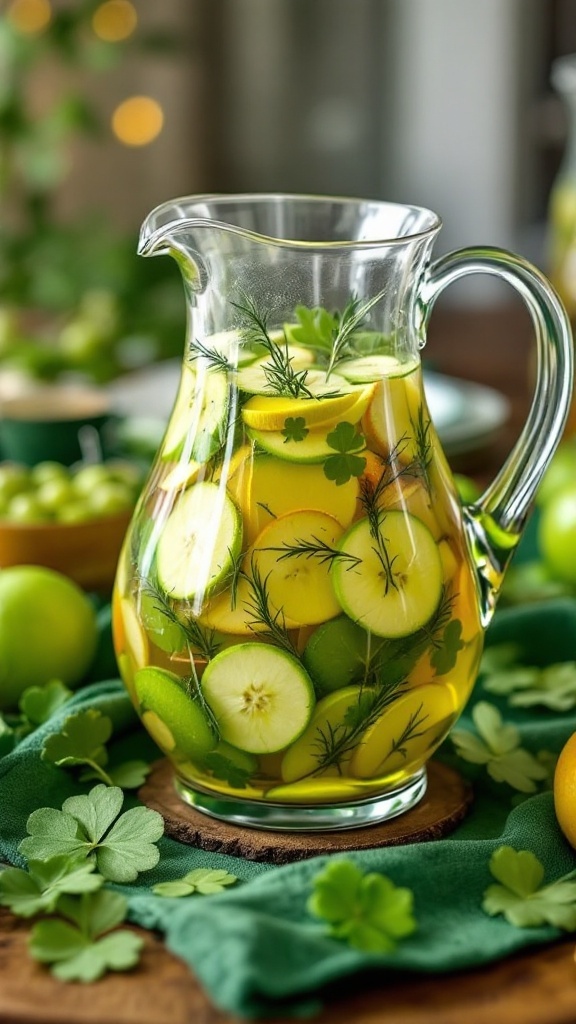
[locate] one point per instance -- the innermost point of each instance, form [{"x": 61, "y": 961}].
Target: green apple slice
[
  {"x": 406, "y": 732},
  {"x": 395, "y": 587},
  {"x": 373, "y": 368},
  {"x": 175, "y": 721},
  {"x": 327, "y": 723},
  {"x": 312, "y": 448},
  {"x": 201, "y": 539},
  {"x": 261, "y": 697}
]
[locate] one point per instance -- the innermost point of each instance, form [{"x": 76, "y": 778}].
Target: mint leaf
[
  {"x": 38, "y": 890},
  {"x": 315, "y": 328},
  {"x": 368, "y": 912},
  {"x": 444, "y": 656},
  {"x": 89, "y": 826},
  {"x": 39, "y": 703},
  {"x": 498, "y": 747},
  {"x": 295, "y": 429},
  {"x": 80, "y": 949},
  {"x": 520, "y": 896},
  {"x": 224, "y": 768},
  {"x": 204, "y": 881}
]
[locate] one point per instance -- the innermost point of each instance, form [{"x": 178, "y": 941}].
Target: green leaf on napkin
[
  {"x": 368, "y": 911},
  {"x": 205, "y": 881},
  {"x": 38, "y": 703},
  {"x": 498, "y": 748},
  {"x": 84, "y": 947},
  {"x": 81, "y": 741},
  {"x": 526, "y": 686},
  {"x": 520, "y": 896},
  {"x": 38, "y": 890},
  {"x": 92, "y": 826}
]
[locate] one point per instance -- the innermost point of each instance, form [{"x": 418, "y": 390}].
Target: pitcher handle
[{"x": 494, "y": 523}]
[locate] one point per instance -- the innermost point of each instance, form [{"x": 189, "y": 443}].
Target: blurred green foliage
[{"x": 73, "y": 296}]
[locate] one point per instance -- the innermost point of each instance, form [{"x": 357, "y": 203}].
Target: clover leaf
[
  {"x": 81, "y": 740},
  {"x": 368, "y": 911},
  {"x": 498, "y": 748},
  {"x": 345, "y": 440},
  {"x": 444, "y": 656},
  {"x": 224, "y": 768},
  {"x": 205, "y": 881},
  {"x": 553, "y": 687},
  {"x": 39, "y": 703},
  {"x": 91, "y": 826},
  {"x": 520, "y": 896},
  {"x": 38, "y": 890},
  {"x": 84, "y": 947},
  {"x": 295, "y": 429}
]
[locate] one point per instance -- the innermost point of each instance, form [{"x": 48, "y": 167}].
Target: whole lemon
[
  {"x": 565, "y": 790},
  {"x": 47, "y": 630}
]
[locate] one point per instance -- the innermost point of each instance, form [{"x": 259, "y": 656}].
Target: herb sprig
[
  {"x": 262, "y": 619},
  {"x": 280, "y": 374}
]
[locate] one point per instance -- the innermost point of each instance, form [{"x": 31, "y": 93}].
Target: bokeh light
[
  {"x": 137, "y": 121},
  {"x": 114, "y": 20},
  {"x": 29, "y": 16}
]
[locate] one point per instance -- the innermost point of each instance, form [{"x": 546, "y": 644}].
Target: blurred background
[{"x": 108, "y": 108}]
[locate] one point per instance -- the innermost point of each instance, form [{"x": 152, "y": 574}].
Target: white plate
[{"x": 466, "y": 415}]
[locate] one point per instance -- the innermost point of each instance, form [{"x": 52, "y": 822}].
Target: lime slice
[
  {"x": 261, "y": 697},
  {"x": 175, "y": 721}
]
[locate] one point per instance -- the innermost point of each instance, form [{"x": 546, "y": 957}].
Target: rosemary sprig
[
  {"x": 422, "y": 458},
  {"x": 410, "y": 732},
  {"x": 334, "y": 743},
  {"x": 263, "y": 620},
  {"x": 281, "y": 376},
  {"x": 352, "y": 317},
  {"x": 195, "y": 692},
  {"x": 198, "y": 639},
  {"x": 315, "y": 548}
]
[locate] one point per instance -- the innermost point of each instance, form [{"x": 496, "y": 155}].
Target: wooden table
[{"x": 532, "y": 988}]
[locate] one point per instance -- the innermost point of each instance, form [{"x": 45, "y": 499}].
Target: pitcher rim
[{"x": 150, "y": 235}]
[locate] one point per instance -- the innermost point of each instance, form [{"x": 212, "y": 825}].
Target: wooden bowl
[{"x": 87, "y": 552}]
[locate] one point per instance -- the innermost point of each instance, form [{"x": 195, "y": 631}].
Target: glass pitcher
[{"x": 301, "y": 600}]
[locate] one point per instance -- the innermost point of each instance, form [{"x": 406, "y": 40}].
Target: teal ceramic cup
[{"x": 61, "y": 424}]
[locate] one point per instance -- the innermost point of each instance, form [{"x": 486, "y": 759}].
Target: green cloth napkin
[{"x": 254, "y": 948}]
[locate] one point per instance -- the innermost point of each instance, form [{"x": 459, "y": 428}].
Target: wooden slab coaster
[{"x": 444, "y": 805}]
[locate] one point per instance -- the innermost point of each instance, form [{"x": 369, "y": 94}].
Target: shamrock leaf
[
  {"x": 553, "y": 687},
  {"x": 498, "y": 747},
  {"x": 80, "y": 949},
  {"x": 224, "y": 768},
  {"x": 127, "y": 775},
  {"x": 80, "y": 740},
  {"x": 89, "y": 826},
  {"x": 38, "y": 890},
  {"x": 345, "y": 440},
  {"x": 38, "y": 703},
  {"x": 368, "y": 911},
  {"x": 520, "y": 896},
  {"x": 445, "y": 654},
  {"x": 295, "y": 429},
  {"x": 498, "y": 657},
  {"x": 205, "y": 881}
]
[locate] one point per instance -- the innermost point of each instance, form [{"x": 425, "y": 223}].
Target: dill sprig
[
  {"x": 352, "y": 317},
  {"x": 263, "y": 620},
  {"x": 281, "y": 376},
  {"x": 216, "y": 360},
  {"x": 197, "y": 638},
  {"x": 315, "y": 548}
]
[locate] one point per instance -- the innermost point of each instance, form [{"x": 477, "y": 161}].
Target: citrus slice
[
  {"x": 199, "y": 416},
  {"x": 395, "y": 586},
  {"x": 199, "y": 543},
  {"x": 373, "y": 368},
  {"x": 565, "y": 790},
  {"x": 338, "y": 653},
  {"x": 261, "y": 697},
  {"x": 291, "y": 556},
  {"x": 406, "y": 732},
  {"x": 175, "y": 721},
  {"x": 327, "y": 725},
  {"x": 265, "y": 488},
  {"x": 270, "y": 413}
]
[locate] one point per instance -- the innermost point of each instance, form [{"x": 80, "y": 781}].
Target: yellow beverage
[{"x": 297, "y": 615}]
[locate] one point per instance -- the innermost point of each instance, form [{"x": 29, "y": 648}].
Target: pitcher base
[{"x": 307, "y": 818}]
